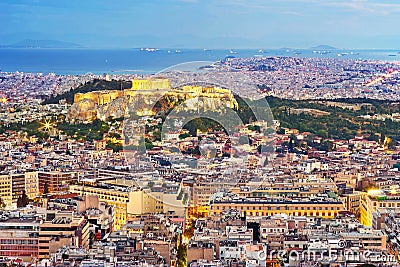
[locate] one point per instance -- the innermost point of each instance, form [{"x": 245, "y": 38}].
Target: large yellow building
[
  {"x": 31, "y": 184},
  {"x": 12, "y": 186},
  {"x": 326, "y": 207},
  {"x": 376, "y": 199},
  {"x": 118, "y": 197},
  {"x": 55, "y": 181},
  {"x": 352, "y": 202},
  {"x": 203, "y": 190},
  {"x": 150, "y": 84},
  {"x": 6, "y": 189},
  {"x": 129, "y": 201}
]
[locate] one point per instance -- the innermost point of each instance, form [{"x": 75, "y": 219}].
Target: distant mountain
[
  {"x": 29, "y": 43},
  {"x": 323, "y": 47}
]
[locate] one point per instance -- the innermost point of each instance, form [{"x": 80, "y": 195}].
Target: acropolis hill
[{"x": 141, "y": 99}]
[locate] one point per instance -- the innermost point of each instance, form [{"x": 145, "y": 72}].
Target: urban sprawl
[{"x": 91, "y": 173}]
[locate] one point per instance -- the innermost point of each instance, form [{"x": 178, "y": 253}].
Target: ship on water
[
  {"x": 321, "y": 52},
  {"x": 149, "y": 49}
]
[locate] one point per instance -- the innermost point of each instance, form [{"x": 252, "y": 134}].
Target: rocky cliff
[{"x": 147, "y": 97}]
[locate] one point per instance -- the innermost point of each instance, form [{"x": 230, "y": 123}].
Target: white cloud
[
  {"x": 364, "y": 6},
  {"x": 188, "y": 1}
]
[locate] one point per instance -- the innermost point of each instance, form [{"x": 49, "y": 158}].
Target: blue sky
[{"x": 204, "y": 23}]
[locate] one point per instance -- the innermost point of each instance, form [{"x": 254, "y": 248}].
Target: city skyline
[
  {"x": 201, "y": 133},
  {"x": 238, "y": 24}
]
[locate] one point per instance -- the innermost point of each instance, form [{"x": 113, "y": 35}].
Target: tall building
[
  {"x": 6, "y": 189},
  {"x": 62, "y": 228},
  {"x": 374, "y": 200},
  {"x": 18, "y": 185},
  {"x": 13, "y": 185},
  {"x": 55, "y": 181},
  {"x": 129, "y": 200},
  {"x": 112, "y": 195},
  {"x": 352, "y": 201},
  {"x": 31, "y": 184},
  {"x": 19, "y": 237}
]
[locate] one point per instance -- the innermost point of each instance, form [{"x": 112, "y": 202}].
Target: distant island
[
  {"x": 323, "y": 47},
  {"x": 29, "y": 43}
]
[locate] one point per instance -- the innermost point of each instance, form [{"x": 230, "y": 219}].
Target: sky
[{"x": 357, "y": 24}]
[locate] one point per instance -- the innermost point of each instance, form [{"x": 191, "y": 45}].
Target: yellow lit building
[
  {"x": 56, "y": 181},
  {"x": 129, "y": 201},
  {"x": 105, "y": 97},
  {"x": 150, "y": 84},
  {"x": 31, "y": 184},
  {"x": 118, "y": 197},
  {"x": 6, "y": 189},
  {"x": 376, "y": 199},
  {"x": 352, "y": 202},
  {"x": 100, "y": 145},
  {"x": 270, "y": 207},
  {"x": 141, "y": 202},
  {"x": 12, "y": 186},
  {"x": 99, "y": 97}
]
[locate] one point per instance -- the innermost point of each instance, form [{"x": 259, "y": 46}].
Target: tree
[
  {"x": 46, "y": 188},
  {"x": 323, "y": 133},
  {"x": 243, "y": 140},
  {"x": 2, "y": 204},
  {"x": 148, "y": 143},
  {"x": 291, "y": 144},
  {"x": 23, "y": 200},
  {"x": 114, "y": 147},
  {"x": 281, "y": 131},
  {"x": 182, "y": 255},
  {"x": 183, "y": 136}
]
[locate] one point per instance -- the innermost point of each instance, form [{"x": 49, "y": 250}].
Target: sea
[{"x": 142, "y": 61}]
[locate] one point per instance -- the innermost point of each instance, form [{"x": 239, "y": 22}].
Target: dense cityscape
[{"x": 107, "y": 170}]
